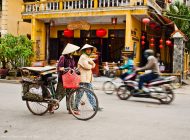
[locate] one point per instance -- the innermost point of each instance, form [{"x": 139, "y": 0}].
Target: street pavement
[{"x": 134, "y": 119}]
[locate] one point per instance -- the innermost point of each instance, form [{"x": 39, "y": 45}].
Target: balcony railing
[{"x": 56, "y": 5}]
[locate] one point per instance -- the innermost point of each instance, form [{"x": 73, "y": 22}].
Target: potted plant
[{"x": 3, "y": 60}]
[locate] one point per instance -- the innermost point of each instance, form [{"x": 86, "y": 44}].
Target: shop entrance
[{"x": 109, "y": 49}]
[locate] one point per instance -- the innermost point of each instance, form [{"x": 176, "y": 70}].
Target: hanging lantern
[
  {"x": 161, "y": 41},
  {"x": 168, "y": 42},
  {"x": 161, "y": 46},
  {"x": 151, "y": 45},
  {"x": 68, "y": 33},
  {"x": 101, "y": 32},
  {"x": 143, "y": 37},
  {"x": 142, "y": 42},
  {"x": 146, "y": 20},
  {"x": 152, "y": 40},
  {"x": 152, "y": 25}
]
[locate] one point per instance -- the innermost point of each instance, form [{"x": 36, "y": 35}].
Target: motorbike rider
[
  {"x": 129, "y": 66},
  {"x": 152, "y": 66}
]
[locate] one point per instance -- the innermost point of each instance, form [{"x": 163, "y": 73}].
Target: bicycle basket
[
  {"x": 32, "y": 92},
  {"x": 32, "y": 97},
  {"x": 71, "y": 80}
]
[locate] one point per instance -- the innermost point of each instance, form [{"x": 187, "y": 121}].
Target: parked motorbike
[{"x": 159, "y": 89}]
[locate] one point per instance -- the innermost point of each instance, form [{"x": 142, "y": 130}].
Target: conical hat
[
  {"x": 70, "y": 48},
  {"x": 88, "y": 46}
]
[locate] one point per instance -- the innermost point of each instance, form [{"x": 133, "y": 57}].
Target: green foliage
[
  {"x": 16, "y": 50},
  {"x": 180, "y": 14}
]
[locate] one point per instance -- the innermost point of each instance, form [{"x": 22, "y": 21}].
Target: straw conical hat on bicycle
[
  {"x": 86, "y": 46},
  {"x": 70, "y": 48}
]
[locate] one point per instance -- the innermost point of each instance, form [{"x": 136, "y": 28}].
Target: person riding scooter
[
  {"x": 152, "y": 66},
  {"x": 129, "y": 66}
]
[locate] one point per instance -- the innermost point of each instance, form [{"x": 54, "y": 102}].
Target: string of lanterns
[{"x": 152, "y": 42}]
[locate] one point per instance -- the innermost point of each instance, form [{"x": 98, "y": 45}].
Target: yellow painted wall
[
  {"x": 38, "y": 35},
  {"x": 14, "y": 15},
  {"x": 136, "y": 26}
]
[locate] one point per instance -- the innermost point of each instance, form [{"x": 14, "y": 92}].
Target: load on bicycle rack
[{"x": 40, "y": 94}]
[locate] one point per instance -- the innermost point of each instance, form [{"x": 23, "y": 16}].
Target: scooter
[{"x": 159, "y": 89}]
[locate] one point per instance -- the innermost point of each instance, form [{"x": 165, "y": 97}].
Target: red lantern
[
  {"x": 152, "y": 45},
  {"x": 152, "y": 25},
  {"x": 143, "y": 37},
  {"x": 152, "y": 40},
  {"x": 101, "y": 32},
  {"x": 168, "y": 42},
  {"x": 146, "y": 20},
  {"x": 68, "y": 33},
  {"x": 142, "y": 42},
  {"x": 161, "y": 41},
  {"x": 161, "y": 46}
]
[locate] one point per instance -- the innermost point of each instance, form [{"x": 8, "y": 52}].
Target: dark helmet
[{"x": 148, "y": 53}]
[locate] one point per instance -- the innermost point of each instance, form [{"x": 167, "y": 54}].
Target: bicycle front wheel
[
  {"x": 109, "y": 87},
  {"x": 83, "y": 103}
]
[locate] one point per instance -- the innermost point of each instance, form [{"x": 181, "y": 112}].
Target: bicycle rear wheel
[
  {"x": 83, "y": 104},
  {"x": 109, "y": 87},
  {"x": 38, "y": 107}
]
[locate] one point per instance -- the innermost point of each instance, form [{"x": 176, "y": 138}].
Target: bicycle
[
  {"x": 39, "y": 104},
  {"x": 111, "y": 86}
]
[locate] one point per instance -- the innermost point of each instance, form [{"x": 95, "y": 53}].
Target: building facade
[
  {"x": 11, "y": 18},
  {"x": 124, "y": 23}
]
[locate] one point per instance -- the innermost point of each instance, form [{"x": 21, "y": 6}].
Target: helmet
[{"x": 148, "y": 53}]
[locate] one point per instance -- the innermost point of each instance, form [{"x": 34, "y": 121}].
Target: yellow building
[
  {"x": 121, "y": 19},
  {"x": 11, "y": 18}
]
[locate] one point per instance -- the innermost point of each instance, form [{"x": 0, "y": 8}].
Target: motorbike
[{"x": 159, "y": 89}]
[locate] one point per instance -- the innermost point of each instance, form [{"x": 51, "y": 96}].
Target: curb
[{"x": 10, "y": 81}]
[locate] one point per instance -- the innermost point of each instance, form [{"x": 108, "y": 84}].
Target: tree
[
  {"x": 180, "y": 14},
  {"x": 16, "y": 50}
]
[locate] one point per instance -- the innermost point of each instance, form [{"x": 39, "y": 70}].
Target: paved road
[{"x": 136, "y": 119}]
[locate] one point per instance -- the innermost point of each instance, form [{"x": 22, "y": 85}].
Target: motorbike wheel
[
  {"x": 123, "y": 92},
  {"x": 170, "y": 97},
  {"x": 109, "y": 87}
]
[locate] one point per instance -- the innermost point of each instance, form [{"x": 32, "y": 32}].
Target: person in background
[
  {"x": 129, "y": 66},
  {"x": 66, "y": 60},
  {"x": 160, "y": 62}
]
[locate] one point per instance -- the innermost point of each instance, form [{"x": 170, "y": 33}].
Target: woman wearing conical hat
[
  {"x": 66, "y": 60},
  {"x": 85, "y": 65}
]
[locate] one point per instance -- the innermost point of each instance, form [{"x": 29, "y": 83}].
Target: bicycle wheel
[
  {"x": 123, "y": 93},
  {"x": 83, "y": 104},
  {"x": 109, "y": 87},
  {"x": 38, "y": 108}
]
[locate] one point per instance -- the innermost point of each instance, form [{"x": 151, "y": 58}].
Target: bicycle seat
[{"x": 51, "y": 78}]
